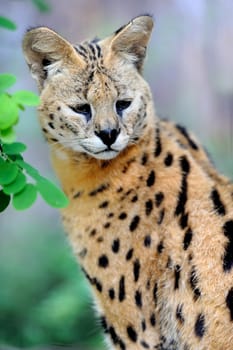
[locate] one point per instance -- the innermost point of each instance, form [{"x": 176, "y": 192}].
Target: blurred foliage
[
  {"x": 42, "y": 5},
  {"x": 14, "y": 171},
  {"x": 43, "y": 296},
  {"x": 48, "y": 302}
]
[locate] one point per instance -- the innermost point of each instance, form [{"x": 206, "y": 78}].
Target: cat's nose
[{"x": 108, "y": 136}]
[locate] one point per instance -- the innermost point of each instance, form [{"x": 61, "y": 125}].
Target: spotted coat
[{"x": 150, "y": 219}]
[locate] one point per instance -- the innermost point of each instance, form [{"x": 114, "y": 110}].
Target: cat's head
[{"x": 94, "y": 99}]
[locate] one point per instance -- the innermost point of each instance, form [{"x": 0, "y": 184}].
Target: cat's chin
[{"x": 105, "y": 155}]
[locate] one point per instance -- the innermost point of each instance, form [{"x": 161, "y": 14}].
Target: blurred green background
[{"x": 45, "y": 302}]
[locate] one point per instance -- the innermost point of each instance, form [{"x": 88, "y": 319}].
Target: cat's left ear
[
  {"x": 131, "y": 40},
  {"x": 46, "y": 52}
]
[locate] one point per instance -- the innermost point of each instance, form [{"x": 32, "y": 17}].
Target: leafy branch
[{"x": 20, "y": 182}]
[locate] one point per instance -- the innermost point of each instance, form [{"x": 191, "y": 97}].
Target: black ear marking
[{"x": 45, "y": 62}]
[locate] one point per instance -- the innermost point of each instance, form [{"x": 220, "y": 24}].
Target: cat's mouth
[{"x": 105, "y": 154}]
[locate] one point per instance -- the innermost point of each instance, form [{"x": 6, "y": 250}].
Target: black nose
[{"x": 108, "y": 136}]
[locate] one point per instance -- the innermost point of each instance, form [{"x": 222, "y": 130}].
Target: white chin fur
[{"x": 105, "y": 155}]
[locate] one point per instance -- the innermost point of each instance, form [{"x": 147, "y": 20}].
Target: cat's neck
[{"x": 77, "y": 170}]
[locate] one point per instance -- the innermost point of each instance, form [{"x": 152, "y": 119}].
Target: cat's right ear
[
  {"x": 130, "y": 41},
  {"x": 45, "y": 52}
]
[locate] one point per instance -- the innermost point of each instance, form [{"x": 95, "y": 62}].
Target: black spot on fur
[
  {"x": 81, "y": 51},
  {"x": 200, "y": 326},
  {"x": 77, "y": 195},
  {"x": 134, "y": 223},
  {"x": 107, "y": 225},
  {"x": 229, "y": 302},
  {"x": 161, "y": 216},
  {"x": 115, "y": 338},
  {"x": 122, "y": 216},
  {"x": 183, "y": 221},
  {"x": 179, "y": 313},
  {"x": 187, "y": 238},
  {"x": 143, "y": 325},
  {"x": 104, "y": 205},
  {"x": 99, "y": 189},
  {"x": 159, "y": 197},
  {"x": 160, "y": 247},
  {"x": 121, "y": 294},
  {"x": 129, "y": 254},
  {"x": 169, "y": 263},
  {"x": 134, "y": 199},
  {"x": 144, "y": 344},
  {"x": 93, "y": 233},
  {"x": 177, "y": 276},
  {"x": 148, "y": 207},
  {"x": 168, "y": 160},
  {"x": 193, "y": 283},
  {"x": 103, "y": 261},
  {"x": 152, "y": 320},
  {"x": 147, "y": 241},
  {"x": 120, "y": 189},
  {"x": 116, "y": 245},
  {"x": 228, "y": 255},
  {"x": 98, "y": 50},
  {"x": 132, "y": 334},
  {"x": 158, "y": 145},
  {"x": 182, "y": 195},
  {"x": 111, "y": 293},
  {"x": 138, "y": 298},
  {"x": 98, "y": 284},
  {"x": 83, "y": 253},
  {"x": 184, "y": 132},
  {"x": 184, "y": 164},
  {"x": 136, "y": 270},
  {"x": 113, "y": 335},
  {"x": 104, "y": 324},
  {"x": 155, "y": 292},
  {"x": 51, "y": 125},
  {"x": 151, "y": 179},
  {"x": 128, "y": 192},
  {"x": 144, "y": 159},
  {"x": 217, "y": 203}
]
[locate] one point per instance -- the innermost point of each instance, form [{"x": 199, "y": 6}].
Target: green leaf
[
  {"x": 17, "y": 185},
  {"x": 26, "y": 98},
  {"x": 7, "y": 23},
  {"x": 24, "y": 199},
  {"x": 7, "y": 135},
  {"x": 4, "y": 201},
  {"x": 14, "y": 148},
  {"x": 21, "y": 107},
  {"x": 6, "y": 81},
  {"x": 15, "y": 157},
  {"x": 34, "y": 173},
  {"x": 8, "y": 112},
  {"x": 51, "y": 193},
  {"x": 8, "y": 172},
  {"x": 42, "y": 5}
]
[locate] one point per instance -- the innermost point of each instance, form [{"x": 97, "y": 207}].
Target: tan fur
[{"x": 150, "y": 220}]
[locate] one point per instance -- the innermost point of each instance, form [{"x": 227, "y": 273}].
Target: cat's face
[{"x": 93, "y": 97}]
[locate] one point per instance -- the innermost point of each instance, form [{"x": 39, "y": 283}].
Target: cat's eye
[
  {"x": 121, "y": 105},
  {"x": 84, "y": 109}
]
